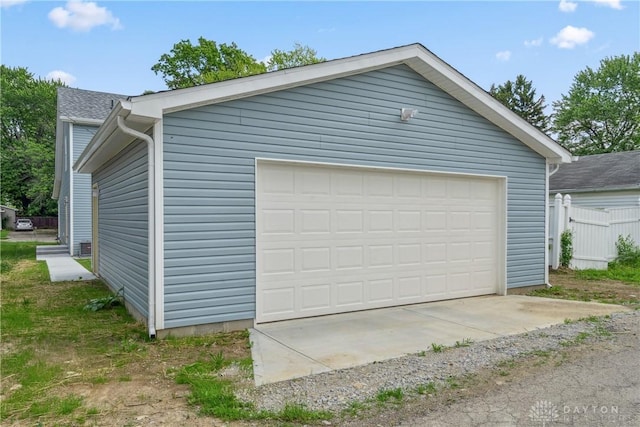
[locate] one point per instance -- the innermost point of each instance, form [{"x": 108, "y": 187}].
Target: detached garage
[{"x": 372, "y": 181}]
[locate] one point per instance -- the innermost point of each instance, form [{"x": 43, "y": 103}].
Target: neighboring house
[
  {"x": 313, "y": 190},
  {"x": 7, "y": 217},
  {"x": 610, "y": 180},
  {"x": 80, "y": 113}
]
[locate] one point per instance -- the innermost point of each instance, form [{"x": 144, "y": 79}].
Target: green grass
[
  {"x": 437, "y": 348},
  {"x": 85, "y": 262},
  {"x": 386, "y": 395},
  {"x": 466, "y": 342},
  {"x": 616, "y": 271},
  {"x": 4, "y": 234},
  {"x": 428, "y": 388}
]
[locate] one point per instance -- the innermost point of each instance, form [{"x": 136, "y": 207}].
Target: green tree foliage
[
  {"x": 520, "y": 97},
  {"x": 189, "y": 65},
  {"x": 207, "y": 62},
  {"x": 601, "y": 112},
  {"x": 299, "y": 55},
  {"x": 28, "y": 128}
]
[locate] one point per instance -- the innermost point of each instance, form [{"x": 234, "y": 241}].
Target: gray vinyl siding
[
  {"x": 123, "y": 224},
  {"x": 604, "y": 199},
  {"x": 81, "y": 189},
  {"x": 209, "y": 158}
]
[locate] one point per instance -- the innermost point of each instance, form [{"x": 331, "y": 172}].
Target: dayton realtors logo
[{"x": 544, "y": 412}]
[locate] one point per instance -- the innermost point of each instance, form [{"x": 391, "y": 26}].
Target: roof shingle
[
  {"x": 598, "y": 172},
  {"x": 85, "y": 104}
]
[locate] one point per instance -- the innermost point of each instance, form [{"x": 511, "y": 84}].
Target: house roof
[
  {"x": 598, "y": 172},
  {"x": 142, "y": 112},
  {"x": 82, "y": 107},
  {"x": 81, "y": 104}
]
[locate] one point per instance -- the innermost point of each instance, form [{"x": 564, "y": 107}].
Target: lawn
[
  {"x": 620, "y": 284},
  {"x": 65, "y": 365}
]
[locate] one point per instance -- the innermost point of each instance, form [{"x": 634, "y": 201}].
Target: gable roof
[
  {"x": 142, "y": 111},
  {"x": 78, "y": 104},
  {"x": 82, "y": 107},
  {"x": 598, "y": 172}
]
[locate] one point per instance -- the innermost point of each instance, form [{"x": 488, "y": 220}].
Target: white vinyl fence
[{"x": 595, "y": 232}]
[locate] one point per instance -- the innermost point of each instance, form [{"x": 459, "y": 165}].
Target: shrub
[
  {"x": 566, "y": 248},
  {"x": 628, "y": 251}
]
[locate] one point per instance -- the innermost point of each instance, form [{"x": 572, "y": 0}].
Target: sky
[{"x": 110, "y": 46}]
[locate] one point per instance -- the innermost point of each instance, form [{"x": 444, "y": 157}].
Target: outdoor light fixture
[{"x": 407, "y": 113}]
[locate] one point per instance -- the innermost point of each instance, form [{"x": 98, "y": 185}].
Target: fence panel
[
  {"x": 595, "y": 232},
  {"x": 590, "y": 238}
]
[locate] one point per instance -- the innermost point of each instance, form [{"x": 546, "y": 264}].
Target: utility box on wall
[{"x": 85, "y": 248}]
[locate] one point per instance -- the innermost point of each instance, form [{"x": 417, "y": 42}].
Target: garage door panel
[{"x": 336, "y": 239}]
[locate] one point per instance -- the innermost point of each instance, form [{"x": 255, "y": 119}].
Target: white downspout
[{"x": 151, "y": 220}]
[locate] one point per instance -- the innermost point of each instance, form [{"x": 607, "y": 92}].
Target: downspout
[
  {"x": 557, "y": 166},
  {"x": 151, "y": 220}
]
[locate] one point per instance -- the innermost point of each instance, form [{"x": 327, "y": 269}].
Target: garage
[{"x": 334, "y": 239}]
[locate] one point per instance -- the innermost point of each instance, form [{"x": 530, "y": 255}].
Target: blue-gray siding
[
  {"x": 123, "y": 224},
  {"x": 209, "y": 157},
  {"x": 81, "y": 189}
]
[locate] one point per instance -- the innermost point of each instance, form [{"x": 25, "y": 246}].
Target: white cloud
[
  {"x": 567, "y": 6},
  {"x": 533, "y": 43},
  {"x": 8, "y": 3},
  {"x": 570, "y": 37},
  {"x": 613, "y": 4},
  {"x": 63, "y": 76},
  {"x": 503, "y": 55},
  {"x": 83, "y": 16}
]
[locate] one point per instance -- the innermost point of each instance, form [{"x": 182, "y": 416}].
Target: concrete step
[{"x": 52, "y": 249}]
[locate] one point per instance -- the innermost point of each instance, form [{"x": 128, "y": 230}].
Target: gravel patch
[{"x": 336, "y": 390}]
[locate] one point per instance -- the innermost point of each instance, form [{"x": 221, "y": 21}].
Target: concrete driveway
[
  {"x": 43, "y": 235},
  {"x": 296, "y": 348}
]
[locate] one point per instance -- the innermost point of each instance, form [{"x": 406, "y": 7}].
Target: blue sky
[{"x": 111, "y": 45}]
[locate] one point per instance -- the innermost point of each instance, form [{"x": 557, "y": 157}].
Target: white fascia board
[
  {"x": 81, "y": 121},
  {"x": 464, "y": 90},
  {"x": 154, "y": 105}
]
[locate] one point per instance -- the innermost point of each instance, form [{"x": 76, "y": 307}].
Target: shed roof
[
  {"x": 85, "y": 104},
  {"x": 598, "y": 172},
  {"x": 141, "y": 112}
]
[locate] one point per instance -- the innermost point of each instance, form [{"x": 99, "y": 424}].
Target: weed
[
  {"x": 299, "y": 413},
  {"x": 354, "y": 408},
  {"x": 466, "y": 342},
  {"x": 69, "y": 404},
  {"x": 385, "y": 395},
  {"x": 503, "y": 373},
  {"x": 124, "y": 378},
  {"x": 452, "y": 383},
  {"x": 102, "y": 303},
  {"x": 428, "y": 388},
  {"x": 541, "y": 353},
  {"x": 566, "y": 248},
  {"x": 422, "y": 353},
  {"x": 437, "y": 348},
  {"x": 628, "y": 251},
  {"x": 568, "y": 321}
]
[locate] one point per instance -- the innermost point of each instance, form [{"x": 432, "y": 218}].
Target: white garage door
[{"x": 337, "y": 239}]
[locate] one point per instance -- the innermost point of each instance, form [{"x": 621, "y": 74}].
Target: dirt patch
[{"x": 602, "y": 290}]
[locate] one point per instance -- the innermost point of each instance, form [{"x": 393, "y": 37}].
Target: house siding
[
  {"x": 209, "y": 165},
  {"x": 604, "y": 199},
  {"x": 123, "y": 224},
  {"x": 81, "y": 190}
]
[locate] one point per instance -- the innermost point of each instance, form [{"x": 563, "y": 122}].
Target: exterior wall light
[{"x": 407, "y": 113}]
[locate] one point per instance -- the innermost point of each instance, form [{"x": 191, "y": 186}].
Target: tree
[
  {"x": 520, "y": 97},
  {"x": 188, "y": 65},
  {"x": 27, "y": 129},
  {"x": 300, "y": 55},
  {"x": 207, "y": 62},
  {"x": 601, "y": 112}
]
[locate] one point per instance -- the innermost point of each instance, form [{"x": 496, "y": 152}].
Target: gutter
[{"x": 150, "y": 221}]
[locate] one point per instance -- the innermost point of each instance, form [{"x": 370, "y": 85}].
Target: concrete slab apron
[
  {"x": 64, "y": 268},
  {"x": 296, "y": 348}
]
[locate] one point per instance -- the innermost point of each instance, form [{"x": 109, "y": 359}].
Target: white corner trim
[
  {"x": 546, "y": 224},
  {"x": 70, "y": 172}
]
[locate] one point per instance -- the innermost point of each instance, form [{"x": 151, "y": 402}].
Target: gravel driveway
[{"x": 597, "y": 385}]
